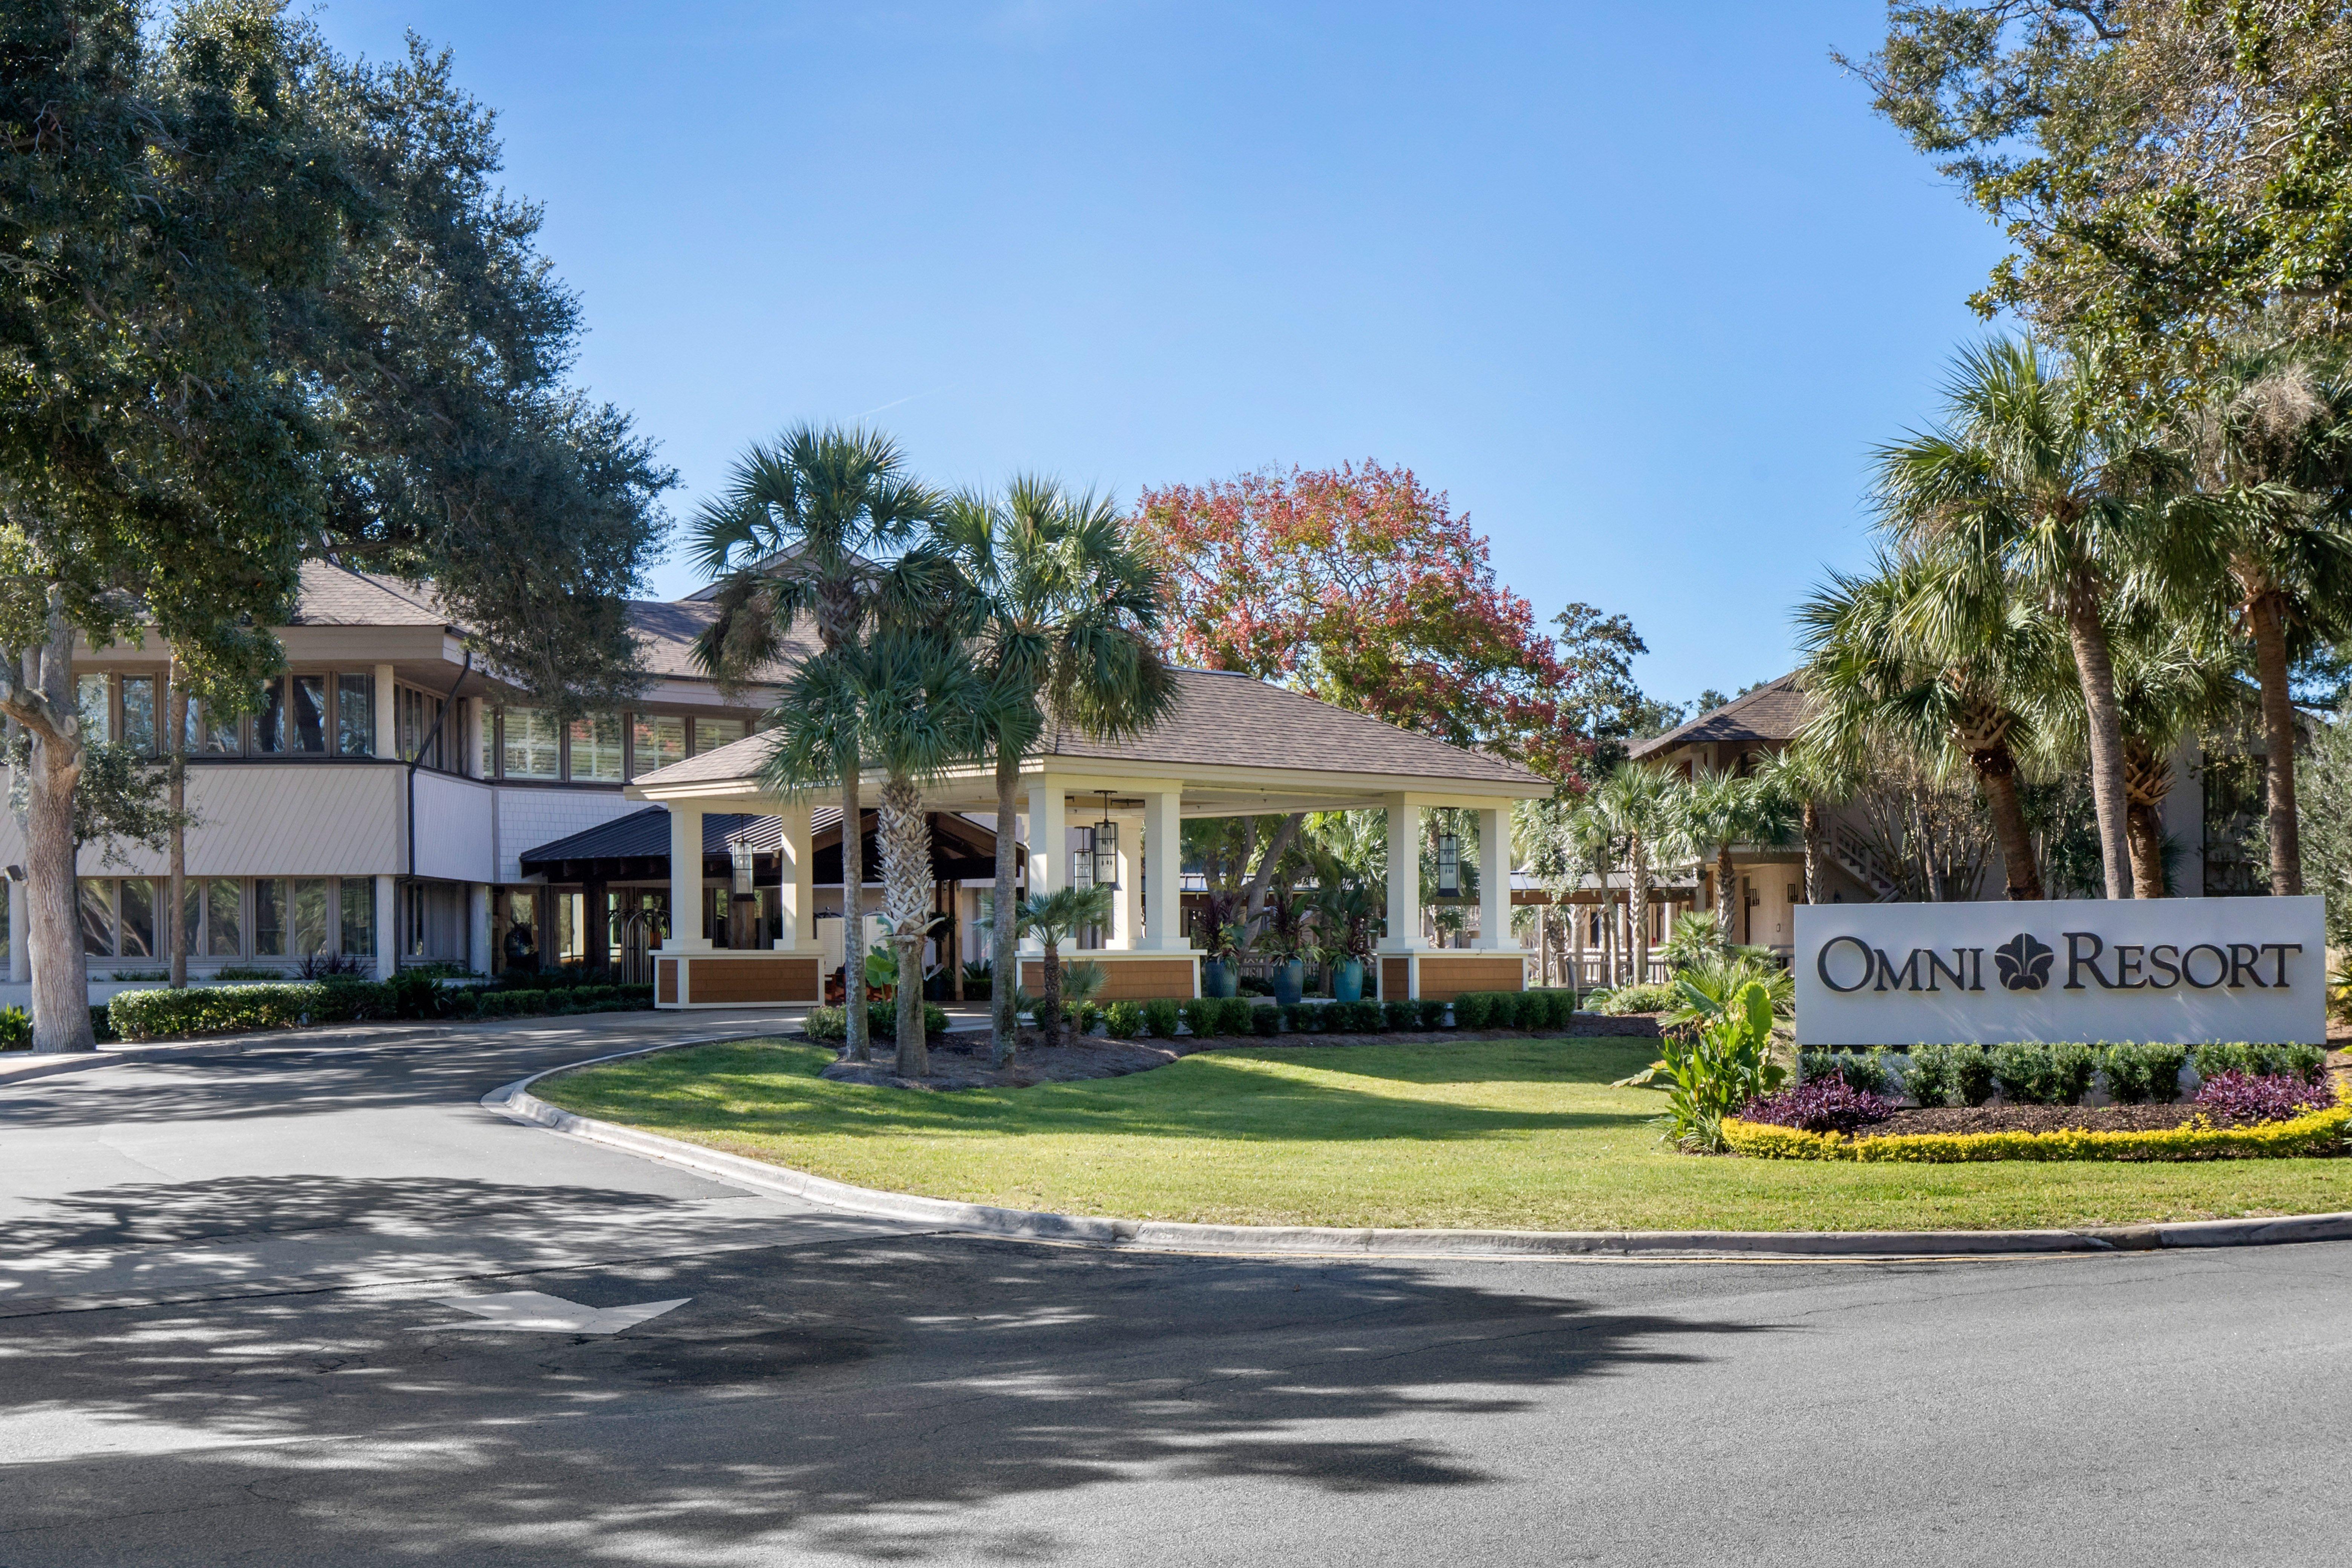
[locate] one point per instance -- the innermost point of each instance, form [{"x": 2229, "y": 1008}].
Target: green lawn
[{"x": 1520, "y": 1134}]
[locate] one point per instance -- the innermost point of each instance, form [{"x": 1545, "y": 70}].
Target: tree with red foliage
[{"x": 1357, "y": 584}]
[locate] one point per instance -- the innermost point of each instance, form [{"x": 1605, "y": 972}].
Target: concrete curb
[{"x": 517, "y": 1102}]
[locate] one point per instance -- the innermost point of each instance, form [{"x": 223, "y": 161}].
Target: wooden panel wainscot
[
  {"x": 1133, "y": 980},
  {"x": 665, "y": 980},
  {"x": 1445, "y": 976},
  {"x": 1396, "y": 978},
  {"x": 744, "y": 980}
]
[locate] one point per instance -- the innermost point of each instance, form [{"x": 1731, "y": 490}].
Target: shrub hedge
[
  {"x": 2320, "y": 1133},
  {"x": 881, "y": 1022},
  {"x": 1123, "y": 1020},
  {"x": 226, "y": 1009},
  {"x": 1160, "y": 1016}
]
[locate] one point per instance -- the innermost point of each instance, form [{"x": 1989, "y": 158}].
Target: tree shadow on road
[{"x": 869, "y": 1400}]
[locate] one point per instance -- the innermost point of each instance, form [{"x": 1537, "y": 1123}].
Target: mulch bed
[
  {"x": 2036, "y": 1119},
  {"x": 961, "y": 1061}
]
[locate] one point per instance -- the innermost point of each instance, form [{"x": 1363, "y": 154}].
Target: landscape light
[
  {"x": 1449, "y": 866},
  {"x": 1106, "y": 846}
]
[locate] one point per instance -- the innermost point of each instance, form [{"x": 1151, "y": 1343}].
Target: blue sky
[{"x": 1639, "y": 286}]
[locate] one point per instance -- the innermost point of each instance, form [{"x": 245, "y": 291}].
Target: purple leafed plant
[
  {"x": 1820, "y": 1105},
  {"x": 2262, "y": 1097}
]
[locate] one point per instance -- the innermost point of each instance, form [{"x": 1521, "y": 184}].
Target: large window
[
  {"x": 655, "y": 740},
  {"x": 269, "y": 917},
  {"x": 596, "y": 748},
  {"x": 710, "y": 734},
  {"x": 530, "y": 749},
  {"x": 421, "y": 729},
  {"x": 139, "y": 721},
  {"x": 359, "y": 916},
  {"x": 96, "y": 711},
  {"x": 355, "y": 714},
  {"x": 118, "y": 917}
]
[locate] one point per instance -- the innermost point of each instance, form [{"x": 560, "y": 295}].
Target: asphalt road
[{"x": 223, "y": 1339}]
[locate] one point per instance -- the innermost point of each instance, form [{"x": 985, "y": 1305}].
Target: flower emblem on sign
[{"x": 2023, "y": 963}]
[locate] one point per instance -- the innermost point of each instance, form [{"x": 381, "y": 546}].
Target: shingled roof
[
  {"x": 1221, "y": 720},
  {"x": 1775, "y": 711}
]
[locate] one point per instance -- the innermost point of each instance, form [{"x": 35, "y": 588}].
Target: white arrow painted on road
[{"x": 536, "y": 1312}]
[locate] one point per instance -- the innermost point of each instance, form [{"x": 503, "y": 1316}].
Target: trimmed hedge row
[
  {"x": 2321, "y": 1132},
  {"x": 832, "y": 1024},
  {"x": 1209, "y": 1018},
  {"x": 2055, "y": 1073},
  {"x": 232, "y": 1009}
]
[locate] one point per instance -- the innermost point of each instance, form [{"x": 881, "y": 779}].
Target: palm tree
[
  {"x": 1590, "y": 842},
  {"x": 1920, "y": 656},
  {"x": 1719, "y": 809},
  {"x": 1637, "y": 802},
  {"x": 812, "y": 532},
  {"x": 1809, "y": 777},
  {"x": 1053, "y": 917},
  {"x": 923, "y": 707},
  {"x": 2272, "y": 440},
  {"x": 2030, "y": 484},
  {"x": 1069, "y": 615}
]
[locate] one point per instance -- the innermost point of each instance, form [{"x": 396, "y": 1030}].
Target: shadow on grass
[
  {"x": 903, "y": 1401},
  {"x": 763, "y": 1090}
]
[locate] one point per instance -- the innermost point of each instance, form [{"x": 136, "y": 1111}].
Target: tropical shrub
[
  {"x": 1201, "y": 1014},
  {"x": 1627, "y": 999},
  {"x": 2031, "y": 1073},
  {"x": 826, "y": 1024},
  {"x": 1715, "y": 1068},
  {"x": 1402, "y": 1014},
  {"x": 1123, "y": 1020},
  {"x": 1819, "y": 1105},
  {"x": 2260, "y": 1060},
  {"x": 1719, "y": 974},
  {"x": 2139, "y": 1073},
  {"x": 16, "y": 1030},
  {"x": 1160, "y": 1015},
  {"x": 1865, "y": 1072},
  {"x": 1971, "y": 1074},
  {"x": 1234, "y": 1014},
  {"x": 1432, "y": 1014},
  {"x": 2262, "y": 1097},
  {"x": 1928, "y": 1076}
]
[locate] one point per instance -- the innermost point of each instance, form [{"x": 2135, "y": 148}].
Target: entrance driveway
[{"x": 224, "y": 1338}]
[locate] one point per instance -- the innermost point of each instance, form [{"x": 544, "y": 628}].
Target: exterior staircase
[{"x": 1859, "y": 860}]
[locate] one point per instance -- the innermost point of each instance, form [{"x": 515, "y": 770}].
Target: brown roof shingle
[{"x": 1775, "y": 711}]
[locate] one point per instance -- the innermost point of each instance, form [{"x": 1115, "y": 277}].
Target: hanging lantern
[
  {"x": 1449, "y": 866},
  {"x": 1106, "y": 846}
]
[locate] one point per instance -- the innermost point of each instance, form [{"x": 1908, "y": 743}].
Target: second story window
[
  {"x": 530, "y": 749},
  {"x": 355, "y": 714},
  {"x": 293, "y": 717},
  {"x": 596, "y": 748},
  {"x": 655, "y": 740},
  {"x": 138, "y": 726},
  {"x": 710, "y": 734},
  {"x": 96, "y": 711},
  {"x": 420, "y": 732}
]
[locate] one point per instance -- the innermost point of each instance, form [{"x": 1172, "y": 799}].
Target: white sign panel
[{"x": 2181, "y": 970}]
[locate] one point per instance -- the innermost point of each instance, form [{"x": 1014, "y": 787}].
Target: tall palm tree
[
  {"x": 2030, "y": 483},
  {"x": 1637, "y": 802},
  {"x": 1069, "y": 616},
  {"x": 816, "y": 531},
  {"x": 1921, "y": 657},
  {"x": 1810, "y": 777},
  {"x": 1715, "y": 810},
  {"x": 1591, "y": 842},
  {"x": 924, "y": 709},
  {"x": 2272, "y": 440}
]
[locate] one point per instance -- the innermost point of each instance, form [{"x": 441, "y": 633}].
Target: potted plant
[
  {"x": 1347, "y": 915},
  {"x": 1220, "y": 943},
  {"x": 1285, "y": 940}
]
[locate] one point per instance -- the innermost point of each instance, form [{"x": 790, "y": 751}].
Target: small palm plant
[
  {"x": 1053, "y": 918},
  {"x": 1713, "y": 1066}
]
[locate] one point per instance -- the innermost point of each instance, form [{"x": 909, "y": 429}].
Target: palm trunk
[
  {"x": 2278, "y": 741},
  {"x": 907, "y": 896},
  {"x": 853, "y": 916},
  {"x": 1638, "y": 912},
  {"x": 1004, "y": 937},
  {"x": 1723, "y": 892},
  {"x": 1050, "y": 1021},
  {"x": 2146, "y": 851},
  {"x": 52, "y": 893},
  {"x": 2097, "y": 673},
  {"x": 1812, "y": 853},
  {"x": 1996, "y": 772},
  {"x": 176, "y": 922}
]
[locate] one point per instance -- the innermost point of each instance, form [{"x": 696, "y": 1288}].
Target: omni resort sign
[{"x": 2181, "y": 970}]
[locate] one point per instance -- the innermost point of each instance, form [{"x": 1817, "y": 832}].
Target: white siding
[
  {"x": 528, "y": 818},
  {"x": 454, "y": 834},
  {"x": 293, "y": 819}
]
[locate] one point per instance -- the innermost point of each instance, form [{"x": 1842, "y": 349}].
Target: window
[
  {"x": 269, "y": 917},
  {"x": 308, "y": 927},
  {"x": 269, "y": 724},
  {"x": 210, "y": 733},
  {"x": 137, "y": 903},
  {"x": 97, "y": 713},
  {"x": 98, "y": 917},
  {"x": 596, "y": 748},
  {"x": 529, "y": 750},
  {"x": 224, "y": 918},
  {"x": 434, "y": 920},
  {"x": 139, "y": 727},
  {"x": 655, "y": 740},
  {"x": 418, "y": 714},
  {"x": 355, "y": 714},
  {"x": 710, "y": 734},
  {"x": 359, "y": 916},
  {"x": 307, "y": 706}
]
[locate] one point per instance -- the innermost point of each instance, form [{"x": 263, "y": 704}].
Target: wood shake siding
[
  {"x": 1127, "y": 980},
  {"x": 1444, "y": 976}
]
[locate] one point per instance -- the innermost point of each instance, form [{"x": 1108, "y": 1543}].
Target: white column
[
  {"x": 477, "y": 927},
  {"x": 1404, "y": 876},
  {"x": 1164, "y": 856},
  {"x": 385, "y": 731},
  {"x": 684, "y": 880},
  {"x": 1049, "y": 846},
  {"x": 1495, "y": 880},
  {"x": 387, "y": 927},
  {"x": 796, "y": 876},
  {"x": 1126, "y": 908},
  {"x": 20, "y": 955},
  {"x": 476, "y": 732}
]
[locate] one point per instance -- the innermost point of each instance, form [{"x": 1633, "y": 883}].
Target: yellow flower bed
[{"x": 2320, "y": 1133}]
